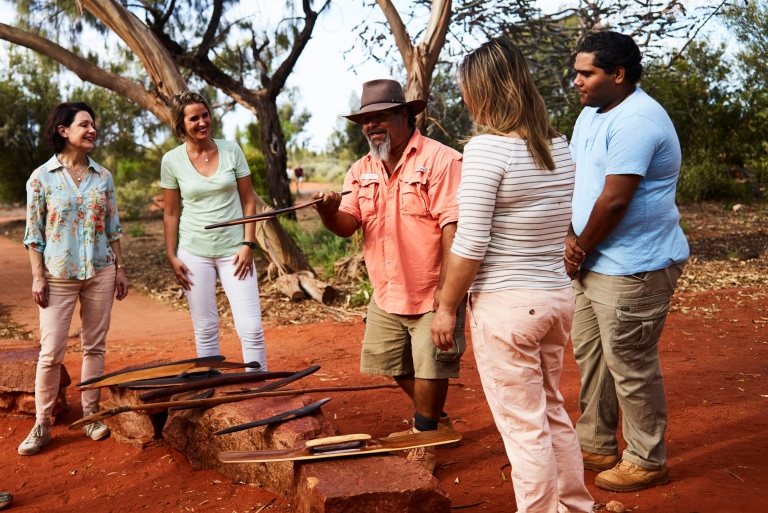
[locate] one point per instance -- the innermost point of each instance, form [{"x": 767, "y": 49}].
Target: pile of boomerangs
[{"x": 195, "y": 374}]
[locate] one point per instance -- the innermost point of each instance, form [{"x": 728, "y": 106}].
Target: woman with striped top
[{"x": 514, "y": 211}]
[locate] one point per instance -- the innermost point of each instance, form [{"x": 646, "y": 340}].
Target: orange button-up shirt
[{"x": 402, "y": 218}]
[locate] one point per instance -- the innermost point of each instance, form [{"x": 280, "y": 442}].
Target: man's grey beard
[{"x": 380, "y": 152}]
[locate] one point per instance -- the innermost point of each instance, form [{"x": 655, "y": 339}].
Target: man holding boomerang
[{"x": 403, "y": 195}]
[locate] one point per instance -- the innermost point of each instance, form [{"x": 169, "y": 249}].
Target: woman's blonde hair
[
  {"x": 178, "y": 102},
  {"x": 499, "y": 91}
]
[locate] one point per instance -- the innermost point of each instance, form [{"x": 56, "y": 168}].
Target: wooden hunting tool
[
  {"x": 213, "y": 382},
  {"x": 177, "y": 369},
  {"x": 205, "y": 360},
  {"x": 196, "y": 403},
  {"x": 345, "y": 445},
  {"x": 267, "y": 215},
  {"x": 281, "y": 417},
  {"x": 204, "y": 395},
  {"x": 326, "y": 389}
]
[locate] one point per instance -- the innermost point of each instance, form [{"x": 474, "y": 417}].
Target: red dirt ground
[{"x": 714, "y": 360}]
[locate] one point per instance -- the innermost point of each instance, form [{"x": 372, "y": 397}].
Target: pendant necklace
[{"x": 77, "y": 175}]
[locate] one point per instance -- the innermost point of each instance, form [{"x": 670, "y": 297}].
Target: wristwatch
[{"x": 251, "y": 245}]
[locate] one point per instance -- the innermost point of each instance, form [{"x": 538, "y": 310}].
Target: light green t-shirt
[{"x": 207, "y": 200}]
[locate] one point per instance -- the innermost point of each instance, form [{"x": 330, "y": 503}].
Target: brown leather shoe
[
  {"x": 599, "y": 462},
  {"x": 628, "y": 477}
]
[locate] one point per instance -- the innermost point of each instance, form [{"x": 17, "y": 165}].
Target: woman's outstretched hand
[
  {"x": 442, "y": 328},
  {"x": 40, "y": 291},
  {"x": 181, "y": 272},
  {"x": 243, "y": 262},
  {"x": 121, "y": 284}
]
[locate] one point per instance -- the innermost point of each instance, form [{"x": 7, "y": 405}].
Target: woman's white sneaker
[
  {"x": 38, "y": 437},
  {"x": 96, "y": 431}
]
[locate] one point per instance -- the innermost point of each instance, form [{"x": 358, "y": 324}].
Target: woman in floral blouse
[{"x": 73, "y": 240}]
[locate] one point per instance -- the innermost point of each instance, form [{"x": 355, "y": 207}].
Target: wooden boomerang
[
  {"x": 167, "y": 370},
  {"x": 345, "y": 445},
  {"x": 288, "y": 415},
  {"x": 218, "y": 381},
  {"x": 266, "y": 215},
  {"x": 195, "y": 403},
  {"x": 204, "y": 360}
]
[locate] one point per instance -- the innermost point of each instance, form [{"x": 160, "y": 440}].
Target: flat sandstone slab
[
  {"x": 17, "y": 384},
  {"x": 18, "y": 368},
  {"x": 368, "y": 484}
]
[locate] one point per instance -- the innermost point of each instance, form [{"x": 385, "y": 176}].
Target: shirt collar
[{"x": 53, "y": 164}]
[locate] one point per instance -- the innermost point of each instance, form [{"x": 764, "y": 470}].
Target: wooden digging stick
[
  {"x": 213, "y": 401},
  {"x": 267, "y": 215}
]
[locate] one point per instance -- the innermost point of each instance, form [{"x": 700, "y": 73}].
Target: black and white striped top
[{"x": 513, "y": 215}]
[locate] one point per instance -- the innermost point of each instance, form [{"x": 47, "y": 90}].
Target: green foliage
[
  {"x": 348, "y": 143},
  {"x": 721, "y": 125},
  {"x": 363, "y": 295},
  {"x": 322, "y": 247},
  {"x": 137, "y": 230},
  {"x": 27, "y": 94},
  {"x": 449, "y": 119},
  {"x": 258, "y": 169}
]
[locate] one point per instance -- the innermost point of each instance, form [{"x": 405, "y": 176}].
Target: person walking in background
[
  {"x": 298, "y": 173},
  {"x": 625, "y": 251},
  {"x": 404, "y": 198},
  {"x": 73, "y": 239},
  {"x": 213, "y": 180},
  {"x": 514, "y": 211}
]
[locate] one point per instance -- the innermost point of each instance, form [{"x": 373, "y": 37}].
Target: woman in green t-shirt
[{"x": 213, "y": 180}]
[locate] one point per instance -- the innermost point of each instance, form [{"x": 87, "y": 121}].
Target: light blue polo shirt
[{"x": 637, "y": 138}]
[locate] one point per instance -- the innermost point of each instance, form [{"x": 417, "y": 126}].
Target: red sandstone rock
[
  {"x": 367, "y": 484},
  {"x": 17, "y": 371},
  {"x": 17, "y": 384},
  {"x": 191, "y": 432},
  {"x": 138, "y": 428}
]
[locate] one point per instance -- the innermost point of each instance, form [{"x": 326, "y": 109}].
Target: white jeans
[{"x": 243, "y": 297}]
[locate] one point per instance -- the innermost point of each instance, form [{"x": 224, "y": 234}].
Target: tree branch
[
  {"x": 434, "y": 39},
  {"x": 140, "y": 39},
  {"x": 87, "y": 71},
  {"x": 213, "y": 25},
  {"x": 280, "y": 75},
  {"x": 396, "y": 25}
]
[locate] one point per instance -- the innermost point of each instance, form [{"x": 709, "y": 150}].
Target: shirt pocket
[
  {"x": 414, "y": 200},
  {"x": 58, "y": 206},
  {"x": 366, "y": 199}
]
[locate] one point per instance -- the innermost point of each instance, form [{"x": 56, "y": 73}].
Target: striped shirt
[{"x": 513, "y": 215}]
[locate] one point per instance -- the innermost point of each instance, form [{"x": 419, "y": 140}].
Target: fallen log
[
  {"x": 288, "y": 284},
  {"x": 316, "y": 289}
]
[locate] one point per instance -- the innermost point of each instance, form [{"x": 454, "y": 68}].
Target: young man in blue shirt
[{"x": 625, "y": 252}]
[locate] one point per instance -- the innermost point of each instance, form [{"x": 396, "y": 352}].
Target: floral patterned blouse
[{"x": 72, "y": 227}]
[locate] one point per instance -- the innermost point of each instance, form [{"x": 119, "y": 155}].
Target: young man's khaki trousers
[{"x": 616, "y": 330}]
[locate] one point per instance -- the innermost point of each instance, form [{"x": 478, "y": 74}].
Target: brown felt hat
[{"x": 383, "y": 94}]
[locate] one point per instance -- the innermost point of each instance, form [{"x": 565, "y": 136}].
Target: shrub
[
  {"x": 134, "y": 198},
  {"x": 322, "y": 247},
  {"x": 707, "y": 180},
  {"x": 363, "y": 296}
]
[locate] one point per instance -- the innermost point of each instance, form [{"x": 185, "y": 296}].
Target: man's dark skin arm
[
  {"x": 340, "y": 223},
  {"x": 606, "y": 215}
]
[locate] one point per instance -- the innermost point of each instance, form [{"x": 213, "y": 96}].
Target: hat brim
[{"x": 418, "y": 106}]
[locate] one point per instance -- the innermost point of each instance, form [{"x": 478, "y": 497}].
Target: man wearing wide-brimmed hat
[{"x": 404, "y": 198}]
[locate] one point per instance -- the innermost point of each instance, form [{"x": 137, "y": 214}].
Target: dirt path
[{"x": 714, "y": 353}]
